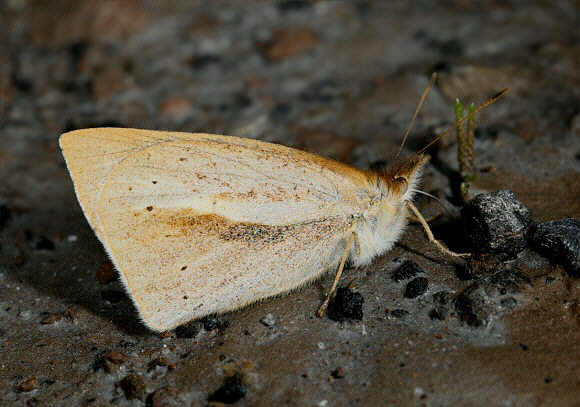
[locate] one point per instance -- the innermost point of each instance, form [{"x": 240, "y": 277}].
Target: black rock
[
  {"x": 405, "y": 271},
  {"x": 231, "y": 391},
  {"x": 188, "y": 330},
  {"x": 211, "y": 322},
  {"x": 490, "y": 297},
  {"x": 134, "y": 387},
  {"x": 416, "y": 287},
  {"x": 347, "y": 305},
  {"x": 441, "y": 300},
  {"x": 497, "y": 223},
  {"x": 559, "y": 241}
]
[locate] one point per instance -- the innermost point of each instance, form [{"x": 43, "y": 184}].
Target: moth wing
[
  {"x": 200, "y": 223},
  {"x": 91, "y": 155}
]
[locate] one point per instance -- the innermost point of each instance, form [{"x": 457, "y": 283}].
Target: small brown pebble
[
  {"x": 165, "y": 335},
  {"x": 73, "y": 314},
  {"x": 290, "y": 43},
  {"x": 159, "y": 361},
  {"x": 106, "y": 273},
  {"x": 112, "y": 361},
  {"x": 165, "y": 397},
  {"x": 51, "y": 319},
  {"x": 115, "y": 357},
  {"x": 28, "y": 385},
  {"x": 134, "y": 387}
]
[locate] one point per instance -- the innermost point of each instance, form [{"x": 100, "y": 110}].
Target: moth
[{"x": 199, "y": 223}]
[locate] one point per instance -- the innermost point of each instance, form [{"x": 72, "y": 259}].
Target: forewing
[{"x": 200, "y": 223}]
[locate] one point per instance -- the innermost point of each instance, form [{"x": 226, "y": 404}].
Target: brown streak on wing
[{"x": 200, "y": 227}]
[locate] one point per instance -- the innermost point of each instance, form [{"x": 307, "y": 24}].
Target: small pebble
[
  {"x": 416, "y": 287},
  {"x": 405, "y": 271},
  {"x": 496, "y": 223},
  {"x": 269, "y": 320},
  {"x": 51, "y": 319},
  {"x": 559, "y": 241},
  {"x": 28, "y": 386},
  {"x": 112, "y": 361},
  {"x": 73, "y": 314},
  {"x": 212, "y": 322},
  {"x": 347, "y": 305},
  {"x": 188, "y": 330},
  {"x": 338, "y": 373},
  {"x": 134, "y": 387},
  {"x": 231, "y": 391}
]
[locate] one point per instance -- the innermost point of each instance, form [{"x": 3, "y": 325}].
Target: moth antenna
[
  {"x": 435, "y": 198},
  {"x": 482, "y": 106},
  {"x": 423, "y": 96}
]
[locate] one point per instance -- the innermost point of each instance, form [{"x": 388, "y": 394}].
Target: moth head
[
  {"x": 405, "y": 175},
  {"x": 401, "y": 183}
]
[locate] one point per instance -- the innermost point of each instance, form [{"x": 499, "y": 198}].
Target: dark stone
[
  {"x": 338, "y": 373},
  {"x": 441, "y": 300},
  {"x": 489, "y": 297},
  {"x": 558, "y": 241},
  {"x": 496, "y": 223},
  {"x": 347, "y": 305},
  {"x": 416, "y": 287},
  {"x": 405, "y": 271},
  {"x": 211, "y": 322},
  {"x": 231, "y": 391},
  {"x": 188, "y": 330},
  {"x": 134, "y": 387}
]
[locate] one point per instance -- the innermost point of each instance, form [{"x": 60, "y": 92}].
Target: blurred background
[{"x": 341, "y": 79}]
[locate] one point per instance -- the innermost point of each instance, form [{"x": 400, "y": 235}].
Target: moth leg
[
  {"x": 430, "y": 234},
  {"x": 413, "y": 218},
  {"x": 338, "y": 274}
]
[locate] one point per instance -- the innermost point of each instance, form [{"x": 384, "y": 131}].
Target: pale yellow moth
[{"x": 200, "y": 223}]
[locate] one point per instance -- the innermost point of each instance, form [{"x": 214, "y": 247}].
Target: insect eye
[{"x": 402, "y": 182}]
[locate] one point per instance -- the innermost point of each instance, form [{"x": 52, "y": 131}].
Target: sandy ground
[{"x": 336, "y": 78}]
